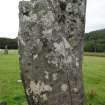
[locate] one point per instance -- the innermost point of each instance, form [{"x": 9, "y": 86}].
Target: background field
[{"x": 11, "y": 90}]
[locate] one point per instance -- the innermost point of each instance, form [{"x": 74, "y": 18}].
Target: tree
[
  {"x": 95, "y": 41},
  {"x": 51, "y": 34}
]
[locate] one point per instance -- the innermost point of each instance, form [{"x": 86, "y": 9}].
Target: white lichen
[
  {"x": 44, "y": 96},
  {"x": 82, "y": 9},
  {"x": 38, "y": 88},
  {"x": 35, "y": 56},
  {"x": 21, "y": 41},
  {"x": 35, "y": 99},
  {"x": 33, "y": 17},
  {"x": 62, "y": 0},
  {"x": 25, "y": 18},
  {"x": 62, "y": 46},
  {"x": 48, "y": 19},
  {"x": 46, "y": 74},
  {"x": 75, "y": 90},
  {"x": 54, "y": 76},
  {"x": 48, "y": 33},
  {"x": 66, "y": 43},
  {"x": 64, "y": 87},
  {"x": 77, "y": 62},
  {"x": 53, "y": 62},
  {"x": 68, "y": 60},
  {"x": 69, "y": 7},
  {"x": 27, "y": 91}
]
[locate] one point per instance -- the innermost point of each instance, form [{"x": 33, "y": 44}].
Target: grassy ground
[
  {"x": 12, "y": 91},
  {"x": 94, "y": 79},
  {"x": 94, "y": 54}
]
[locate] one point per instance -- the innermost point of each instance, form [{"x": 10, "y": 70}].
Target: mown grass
[
  {"x": 97, "y": 54},
  {"x": 12, "y": 91},
  {"x": 94, "y": 79}
]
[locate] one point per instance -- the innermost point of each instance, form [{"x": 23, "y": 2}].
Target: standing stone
[
  {"x": 6, "y": 49},
  {"x": 51, "y": 34}
]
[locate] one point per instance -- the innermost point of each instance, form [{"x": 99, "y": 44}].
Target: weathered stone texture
[{"x": 50, "y": 37}]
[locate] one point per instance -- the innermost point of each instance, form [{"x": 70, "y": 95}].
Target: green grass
[
  {"x": 12, "y": 92},
  {"x": 94, "y": 79},
  {"x": 94, "y": 54}
]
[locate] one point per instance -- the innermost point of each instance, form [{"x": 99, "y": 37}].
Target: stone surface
[{"x": 51, "y": 34}]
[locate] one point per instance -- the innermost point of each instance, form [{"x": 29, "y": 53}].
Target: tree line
[
  {"x": 93, "y": 42},
  {"x": 10, "y": 43}
]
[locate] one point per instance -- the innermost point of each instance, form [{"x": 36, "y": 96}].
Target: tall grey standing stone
[
  {"x": 51, "y": 34},
  {"x": 6, "y": 49}
]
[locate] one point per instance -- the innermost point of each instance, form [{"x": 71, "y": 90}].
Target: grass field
[{"x": 12, "y": 91}]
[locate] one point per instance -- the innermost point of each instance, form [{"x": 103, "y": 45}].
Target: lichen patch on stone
[
  {"x": 69, "y": 7},
  {"x": 59, "y": 47},
  {"x": 44, "y": 96},
  {"x": 62, "y": 0},
  {"x": 39, "y": 87},
  {"x": 75, "y": 90},
  {"x": 27, "y": 91},
  {"x": 77, "y": 62},
  {"x": 68, "y": 60},
  {"x": 21, "y": 41},
  {"x": 35, "y": 56},
  {"x": 62, "y": 46},
  {"x": 26, "y": 18},
  {"x": 46, "y": 74},
  {"x": 66, "y": 43},
  {"x": 54, "y": 76},
  {"x": 64, "y": 87},
  {"x": 48, "y": 19}
]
